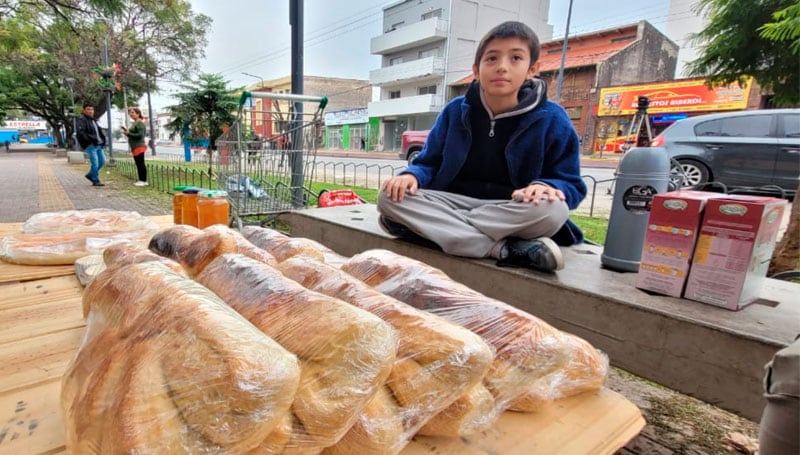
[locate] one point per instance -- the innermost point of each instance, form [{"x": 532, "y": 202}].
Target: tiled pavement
[{"x": 33, "y": 181}]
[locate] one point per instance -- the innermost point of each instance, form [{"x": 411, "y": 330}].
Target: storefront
[
  {"x": 669, "y": 102},
  {"x": 350, "y": 129}
]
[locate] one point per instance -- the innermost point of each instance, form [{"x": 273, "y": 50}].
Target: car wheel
[
  {"x": 413, "y": 155},
  {"x": 690, "y": 173}
]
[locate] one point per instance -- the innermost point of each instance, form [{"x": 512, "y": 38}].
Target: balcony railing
[
  {"x": 406, "y": 106},
  {"x": 417, "y": 70},
  {"x": 410, "y": 36}
]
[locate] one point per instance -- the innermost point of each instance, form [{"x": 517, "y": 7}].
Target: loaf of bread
[
  {"x": 346, "y": 353},
  {"x": 283, "y": 247},
  {"x": 194, "y": 249},
  {"x": 63, "y": 249},
  {"x": 93, "y": 220},
  {"x": 166, "y": 367},
  {"x": 527, "y": 348},
  {"x": 436, "y": 361}
]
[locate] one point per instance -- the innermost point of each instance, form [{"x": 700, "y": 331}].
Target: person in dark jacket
[
  {"x": 92, "y": 140},
  {"x": 500, "y": 169}
]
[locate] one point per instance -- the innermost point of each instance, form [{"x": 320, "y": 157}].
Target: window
[
  {"x": 434, "y": 13},
  {"x": 428, "y": 90},
  {"x": 574, "y": 113},
  {"x": 429, "y": 53},
  {"x": 747, "y": 126},
  {"x": 395, "y": 26},
  {"x": 791, "y": 125},
  {"x": 394, "y": 94},
  {"x": 710, "y": 128},
  {"x": 395, "y": 61}
]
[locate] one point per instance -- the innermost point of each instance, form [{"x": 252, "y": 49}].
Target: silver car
[{"x": 738, "y": 149}]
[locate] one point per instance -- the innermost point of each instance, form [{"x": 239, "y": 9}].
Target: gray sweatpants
[
  {"x": 780, "y": 423},
  {"x": 477, "y": 228}
]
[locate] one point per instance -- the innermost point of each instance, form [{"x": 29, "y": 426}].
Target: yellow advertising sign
[{"x": 677, "y": 96}]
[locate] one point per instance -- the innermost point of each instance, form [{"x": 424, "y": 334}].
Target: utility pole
[
  {"x": 71, "y": 82},
  {"x": 149, "y": 103},
  {"x": 107, "y": 90},
  {"x": 296, "y": 151},
  {"x": 563, "y": 55}
]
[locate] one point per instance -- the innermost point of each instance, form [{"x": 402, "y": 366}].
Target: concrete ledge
[
  {"x": 61, "y": 153},
  {"x": 713, "y": 354},
  {"x": 76, "y": 158}
]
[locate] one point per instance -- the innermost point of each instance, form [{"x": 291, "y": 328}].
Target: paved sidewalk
[{"x": 33, "y": 181}]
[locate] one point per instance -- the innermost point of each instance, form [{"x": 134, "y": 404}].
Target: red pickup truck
[{"x": 411, "y": 143}]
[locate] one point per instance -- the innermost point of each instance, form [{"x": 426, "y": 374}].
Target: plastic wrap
[
  {"x": 63, "y": 249},
  {"x": 194, "y": 249},
  {"x": 283, "y": 247},
  {"x": 534, "y": 362},
  {"x": 165, "y": 367},
  {"x": 346, "y": 354},
  {"x": 94, "y": 220},
  {"x": 60, "y": 238},
  {"x": 436, "y": 362}
]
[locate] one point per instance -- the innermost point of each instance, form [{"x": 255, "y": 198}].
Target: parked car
[
  {"x": 738, "y": 149},
  {"x": 411, "y": 143}
]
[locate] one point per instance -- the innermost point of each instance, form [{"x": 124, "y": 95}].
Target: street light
[
  {"x": 257, "y": 77},
  {"x": 71, "y": 82}
]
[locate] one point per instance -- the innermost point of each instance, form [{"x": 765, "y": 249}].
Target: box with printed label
[
  {"x": 669, "y": 241},
  {"x": 734, "y": 249}
]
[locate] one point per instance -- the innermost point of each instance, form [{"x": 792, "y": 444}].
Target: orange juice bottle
[
  {"x": 212, "y": 208},
  {"x": 189, "y": 207},
  {"x": 177, "y": 204}
]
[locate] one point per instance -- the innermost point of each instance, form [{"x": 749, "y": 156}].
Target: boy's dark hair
[
  {"x": 85, "y": 105},
  {"x": 510, "y": 29}
]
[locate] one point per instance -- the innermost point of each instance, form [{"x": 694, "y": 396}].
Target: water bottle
[{"x": 643, "y": 173}]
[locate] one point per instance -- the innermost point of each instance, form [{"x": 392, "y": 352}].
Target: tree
[
  {"x": 207, "y": 107},
  {"x": 734, "y": 47},
  {"x": 40, "y": 49}
]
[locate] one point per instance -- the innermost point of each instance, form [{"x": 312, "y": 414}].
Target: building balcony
[
  {"x": 420, "y": 104},
  {"x": 410, "y": 36},
  {"x": 417, "y": 70}
]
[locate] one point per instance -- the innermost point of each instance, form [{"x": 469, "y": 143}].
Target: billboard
[{"x": 676, "y": 96}]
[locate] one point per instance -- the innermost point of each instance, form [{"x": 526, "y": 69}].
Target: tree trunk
[{"x": 787, "y": 252}]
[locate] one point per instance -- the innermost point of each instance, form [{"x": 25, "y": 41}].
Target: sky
[{"x": 254, "y": 36}]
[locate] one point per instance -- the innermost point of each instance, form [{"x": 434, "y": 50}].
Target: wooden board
[
  {"x": 10, "y": 273},
  {"x": 41, "y": 326}
]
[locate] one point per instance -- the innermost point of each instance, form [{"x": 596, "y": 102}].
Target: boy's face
[
  {"x": 504, "y": 66},
  {"x": 89, "y": 111}
]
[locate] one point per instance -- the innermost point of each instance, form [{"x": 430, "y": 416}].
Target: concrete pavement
[{"x": 33, "y": 180}]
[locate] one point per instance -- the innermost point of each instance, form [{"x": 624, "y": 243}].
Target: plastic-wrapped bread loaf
[
  {"x": 283, "y": 247},
  {"x": 194, "y": 249},
  {"x": 527, "y": 348},
  {"x": 61, "y": 238},
  {"x": 94, "y": 220},
  {"x": 166, "y": 367},
  {"x": 346, "y": 353},
  {"x": 436, "y": 361}
]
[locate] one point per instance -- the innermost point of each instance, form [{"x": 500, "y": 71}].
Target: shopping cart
[{"x": 266, "y": 160}]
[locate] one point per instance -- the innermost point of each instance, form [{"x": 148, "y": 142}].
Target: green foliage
[
  {"x": 206, "y": 107},
  {"x": 785, "y": 28},
  {"x": 734, "y": 48}
]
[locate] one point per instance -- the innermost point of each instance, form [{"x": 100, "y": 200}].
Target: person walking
[
  {"x": 136, "y": 135},
  {"x": 92, "y": 140}
]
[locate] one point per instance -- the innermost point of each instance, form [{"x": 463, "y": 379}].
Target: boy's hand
[
  {"x": 535, "y": 192},
  {"x": 396, "y": 187}
]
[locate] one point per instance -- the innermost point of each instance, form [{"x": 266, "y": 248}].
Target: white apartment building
[{"x": 427, "y": 45}]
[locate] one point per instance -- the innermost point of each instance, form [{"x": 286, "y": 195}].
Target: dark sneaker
[
  {"x": 541, "y": 254},
  {"x": 88, "y": 178},
  {"x": 394, "y": 228},
  {"x": 98, "y": 184},
  {"x": 403, "y": 233}
]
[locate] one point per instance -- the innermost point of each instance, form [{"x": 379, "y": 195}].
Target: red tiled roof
[{"x": 464, "y": 80}]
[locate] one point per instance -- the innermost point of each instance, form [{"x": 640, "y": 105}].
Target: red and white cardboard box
[
  {"x": 734, "y": 249},
  {"x": 669, "y": 241}
]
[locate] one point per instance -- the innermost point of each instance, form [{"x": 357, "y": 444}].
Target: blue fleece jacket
[{"x": 545, "y": 149}]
